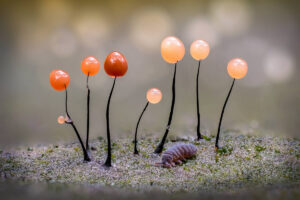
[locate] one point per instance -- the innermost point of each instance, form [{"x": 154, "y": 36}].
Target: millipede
[{"x": 177, "y": 154}]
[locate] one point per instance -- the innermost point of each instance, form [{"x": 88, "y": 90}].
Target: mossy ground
[{"x": 244, "y": 161}]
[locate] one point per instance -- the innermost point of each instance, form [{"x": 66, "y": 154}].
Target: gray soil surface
[{"x": 243, "y": 162}]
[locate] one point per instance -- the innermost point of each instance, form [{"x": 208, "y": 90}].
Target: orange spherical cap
[
  {"x": 59, "y": 79},
  {"x": 90, "y": 66},
  {"x": 115, "y": 64},
  {"x": 61, "y": 119},
  {"x": 199, "y": 49},
  {"x": 237, "y": 68},
  {"x": 154, "y": 95},
  {"x": 172, "y": 49}
]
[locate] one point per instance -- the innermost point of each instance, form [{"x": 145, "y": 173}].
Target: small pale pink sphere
[
  {"x": 172, "y": 49},
  {"x": 61, "y": 119},
  {"x": 154, "y": 95},
  {"x": 237, "y": 68},
  {"x": 199, "y": 49}
]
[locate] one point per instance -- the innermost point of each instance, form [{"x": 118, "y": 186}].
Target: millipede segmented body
[{"x": 177, "y": 154}]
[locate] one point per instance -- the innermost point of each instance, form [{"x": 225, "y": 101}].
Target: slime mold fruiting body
[
  {"x": 154, "y": 96},
  {"x": 89, "y": 66},
  {"x": 177, "y": 154},
  {"x": 61, "y": 119},
  {"x": 237, "y": 68},
  {"x": 60, "y": 80},
  {"x": 199, "y": 51},
  {"x": 115, "y": 65},
  {"x": 172, "y": 51}
]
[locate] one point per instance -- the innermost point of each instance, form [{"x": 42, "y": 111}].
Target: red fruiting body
[{"x": 115, "y": 64}]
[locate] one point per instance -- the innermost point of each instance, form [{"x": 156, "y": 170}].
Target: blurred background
[{"x": 39, "y": 36}]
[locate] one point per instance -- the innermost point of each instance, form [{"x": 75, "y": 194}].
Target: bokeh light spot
[
  {"x": 92, "y": 28},
  {"x": 231, "y": 17},
  {"x": 279, "y": 66},
  {"x": 148, "y": 26},
  {"x": 201, "y": 27}
]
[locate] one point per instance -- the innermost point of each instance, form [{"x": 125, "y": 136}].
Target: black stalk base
[
  {"x": 159, "y": 148},
  {"x": 136, "y": 152},
  {"x": 107, "y": 163},
  {"x": 199, "y": 137}
]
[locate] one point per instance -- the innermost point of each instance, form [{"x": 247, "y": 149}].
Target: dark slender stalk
[
  {"x": 108, "y": 159},
  {"x": 85, "y": 153},
  {"x": 136, "y": 129},
  {"x": 70, "y": 121},
  {"x": 66, "y": 103},
  {"x": 221, "y": 117},
  {"x": 88, "y": 116},
  {"x": 160, "y": 147},
  {"x": 199, "y": 136}
]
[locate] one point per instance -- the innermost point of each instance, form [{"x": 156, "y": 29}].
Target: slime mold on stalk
[
  {"x": 89, "y": 66},
  {"x": 154, "y": 96},
  {"x": 60, "y": 80},
  {"x": 115, "y": 65},
  {"x": 237, "y": 68},
  {"x": 61, "y": 119},
  {"x": 172, "y": 51},
  {"x": 199, "y": 51}
]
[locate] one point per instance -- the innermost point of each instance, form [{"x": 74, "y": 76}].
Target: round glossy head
[
  {"x": 154, "y": 95},
  {"x": 172, "y": 49},
  {"x": 61, "y": 119},
  {"x": 115, "y": 64},
  {"x": 90, "y": 66},
  {"x": 59, "y": 79},
  {"x": 237, "y": 68},
  {"x": 199, "y": 49}
]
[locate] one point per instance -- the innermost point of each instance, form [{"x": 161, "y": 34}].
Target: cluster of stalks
[{"x": 115, "y": 65}]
